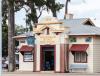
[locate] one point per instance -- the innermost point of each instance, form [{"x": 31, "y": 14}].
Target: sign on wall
[{"x": 47, "y": 39}]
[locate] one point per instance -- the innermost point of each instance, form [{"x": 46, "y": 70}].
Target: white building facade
[{"x": 61, "y": 46}]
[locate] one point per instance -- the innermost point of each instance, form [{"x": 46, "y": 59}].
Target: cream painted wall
[
  {"x": 25, "y": 66},
  {"x": 38, "y": 58},
  {"x": 58, "y": 57},
  {"x": 81, "y": 40},
  {"x": 20, "y": 44},
  {"x": 57, "y": 44},
  {"x": 96, "y": 54}
]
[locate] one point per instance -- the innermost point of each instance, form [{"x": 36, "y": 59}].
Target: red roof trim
[
  {"x": 26, "y": 48},
  {"x": 79, "y": 47}
]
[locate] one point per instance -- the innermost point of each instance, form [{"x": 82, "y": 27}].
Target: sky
[{"x": 79, "y": 8}]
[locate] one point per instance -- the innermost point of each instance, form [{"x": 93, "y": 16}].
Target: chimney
[{"x": 69, "y": 16}]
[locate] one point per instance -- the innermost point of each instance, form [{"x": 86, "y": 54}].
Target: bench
[{"x": 78, "y": 66}]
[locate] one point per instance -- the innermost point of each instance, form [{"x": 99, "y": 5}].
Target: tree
[
  {"x": 4, "y": 40},
  {"x": 53, "y": 6},
  {"x": 11, "y": 6},
  {"x": 11, "y": 33},
  {"x": 41, "y": 5},
  {"x": 66, "y": 8},
  {"x": 4, "y": 29},
  {"x": 19, "y": 30}
]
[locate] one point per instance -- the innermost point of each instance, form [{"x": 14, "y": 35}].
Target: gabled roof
[
  {"x": 79, "y": 21},
  {"x": 77, "y": 27}
]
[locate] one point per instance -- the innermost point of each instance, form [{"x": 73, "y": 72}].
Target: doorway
[{"x": 47, "y": 58}]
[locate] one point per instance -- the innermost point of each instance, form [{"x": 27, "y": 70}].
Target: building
[{"x": 71, "y": 45}]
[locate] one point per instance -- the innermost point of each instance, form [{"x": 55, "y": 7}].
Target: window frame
[
  {"x": 22, "y": 41},
  {"x": 30, "y": 42},
  {"x": 88, "y": 39},
  {"x": 73, "y": 39},
  {"x": 28, "y": 60},
  {"x": 80, "y": 60}
]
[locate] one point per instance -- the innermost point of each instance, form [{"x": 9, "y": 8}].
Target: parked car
[{"x": 5, "y": 64}]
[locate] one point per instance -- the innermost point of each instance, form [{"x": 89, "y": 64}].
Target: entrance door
[{"x": 48, "y": 58}]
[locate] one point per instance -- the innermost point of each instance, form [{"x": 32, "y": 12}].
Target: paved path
[{"x": 46, "y": 74}]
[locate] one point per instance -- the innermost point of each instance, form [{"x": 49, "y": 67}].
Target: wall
[
  {"x": 20, "y": 44},
  {"x": 25, "y": 66},
  {"x": 96, "y": 54},
  {"x": 81, "y": 40},
  {"x": 57, "y": 49}
]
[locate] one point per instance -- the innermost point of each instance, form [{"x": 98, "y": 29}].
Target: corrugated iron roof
[{"x": 76, "y": 27}]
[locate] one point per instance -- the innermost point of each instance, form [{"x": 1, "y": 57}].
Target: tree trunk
[
  {"x": 54, "y": 12},
  {"x": 11, "y": 33},
  {"x": 34, "y": 15},
  {"x": 66, "y": 9},
  {"x": 53, "y": 9}
]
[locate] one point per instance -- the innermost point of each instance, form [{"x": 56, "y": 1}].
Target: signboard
[{"x": 47, "y": 39}]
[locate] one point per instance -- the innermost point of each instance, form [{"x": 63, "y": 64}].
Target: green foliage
[
  {"x": 51, "y": 4},
  {"x": 34, "y": 5},
  {"x": 4, "y": 40},
  {"x": 40, "y": 3},
  {"x": 4, "y": 11},
  {"x": 58, "y": 6},
  {"x": 19, "y": 29}
]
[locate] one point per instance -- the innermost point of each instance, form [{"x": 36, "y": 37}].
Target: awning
[
  {"x": 26, "y": 48},
  {"x": 79, "y": 47}
]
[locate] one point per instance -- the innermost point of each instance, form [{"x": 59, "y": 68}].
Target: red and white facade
[{"x": 48, "y": 35}]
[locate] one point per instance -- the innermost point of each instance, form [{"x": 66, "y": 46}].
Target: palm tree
[{"x": 66, "y": 8}]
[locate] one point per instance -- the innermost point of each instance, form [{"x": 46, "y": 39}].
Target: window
[
  {"x": 80, "y": 57},
  {"x": 88, "y": 39},
  {"x": 46, "y": 31},
  {"x": 30, "y": 40},
  {"x": 22, "y": 41},
  {"x": 28, "y": 56},
  {"x": 72, "y": 39}
]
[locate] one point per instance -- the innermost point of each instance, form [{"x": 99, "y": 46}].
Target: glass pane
[
  {"x": 28, "y": 56},
  {"x": 72, "y": 39},
  {"x": 88, "y": 39},
  {"x": 22, "y": 41},
  {"x": 83, "y": 57},
  {"x": 77, "y": 56},
  {"x": 30, "y": 40}
]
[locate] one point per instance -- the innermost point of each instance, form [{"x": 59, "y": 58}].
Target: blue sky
[{"x": 80, "y": 9}]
